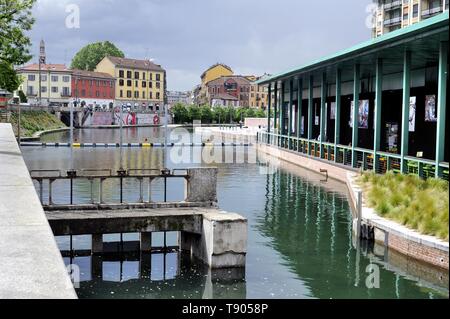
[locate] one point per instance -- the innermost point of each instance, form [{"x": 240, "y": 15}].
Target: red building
[
  {"x": 229, "y": 91},
  {"x": 93, "y": 88}
]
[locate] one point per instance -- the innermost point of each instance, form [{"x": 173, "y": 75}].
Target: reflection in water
[
  {"x": 299, "y": 241},
  {"x": 171, "y": 275}
]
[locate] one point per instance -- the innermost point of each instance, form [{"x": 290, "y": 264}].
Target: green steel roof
[{"x": 435, "y": 22}]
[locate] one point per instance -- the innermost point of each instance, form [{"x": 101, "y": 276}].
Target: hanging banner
[
  {"x": 363, "y": 118},
  {"x": 352, "y": 108},
  {"x": 333, "y": 111},
  {"x": 430, "y": 108},
  {"x": 412, "y": 113}
]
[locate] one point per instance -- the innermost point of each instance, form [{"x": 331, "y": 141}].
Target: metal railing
[
  {"x": 49, "y": 177},
  {"x": 357, "y": 158}
]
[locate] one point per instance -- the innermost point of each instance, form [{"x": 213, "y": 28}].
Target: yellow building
[
  {"x": 140, "y": 83},
  {"x": 214, "y": 72},
  {"x": 259, "y": 95}
]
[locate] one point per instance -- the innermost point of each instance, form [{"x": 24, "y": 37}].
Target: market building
[{"x": 399, "y": 81}]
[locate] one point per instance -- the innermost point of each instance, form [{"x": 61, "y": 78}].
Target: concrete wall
[
  {"x": 31, "y": 265},
  {"x": 201, "y": 185}
]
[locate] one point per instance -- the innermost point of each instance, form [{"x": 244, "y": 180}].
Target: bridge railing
[{"x": 192, "y": 177}]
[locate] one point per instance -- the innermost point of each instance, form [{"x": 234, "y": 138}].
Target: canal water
[{"x": 300, "y": 242}]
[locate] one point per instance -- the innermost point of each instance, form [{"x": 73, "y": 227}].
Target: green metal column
[
  {"x": 356, "y": 89},
  {"x": 377, "y": 111},
  {"x": 323, "y": 96},
  {"x": 282, "y": 120},
  {"x": 310, "y": 111},
  {"x": 291, "y": 92},
  {"x": 405, "y": 109},
  {"x": 299, "y": 107},
  {"x": 275, "y": 111},
  {"x": 441, "y": 105},
  {"x": 337, "y": 122},
  {"x": 269, "y": 109}
]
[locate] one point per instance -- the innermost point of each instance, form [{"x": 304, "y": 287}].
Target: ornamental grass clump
[{"x": 419, "y": 204}]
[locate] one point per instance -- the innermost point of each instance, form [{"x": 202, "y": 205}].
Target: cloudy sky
[{"x": 187, "y": 36}]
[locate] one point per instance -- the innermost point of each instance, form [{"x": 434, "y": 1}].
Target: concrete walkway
[{"x": 31, "y": 266}]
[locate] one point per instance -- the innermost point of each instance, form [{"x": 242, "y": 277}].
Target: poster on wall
[
  {"x": 303, "y": 126},
  {"x": 333, "y": 111},
  {"x": 352, "y": 108},
  {"x": 412, "y": 113},
  {"x": 430, "y": 108},
  {"x": 392, "y": 137},
  {"x": 363, "y": 114}
]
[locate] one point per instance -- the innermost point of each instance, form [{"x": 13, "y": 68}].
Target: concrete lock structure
[
  {"x": 400, "y": 81},
  {"x": 216, "y": 237}
]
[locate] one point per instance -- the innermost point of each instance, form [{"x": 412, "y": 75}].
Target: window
[
  {"x": 129, "y": 94},
  {"x": 157, "y": 95},
  {"x": 129, "y": 74},
  {"x": 136, "y": 94},
  {"x": 121, "y": 93},
  {"x": 415, "y": 10},
  {"x": 121, "y": 74},
  {"x": 54, "y": 89},
  {"x": 128, "y": 82},
  {"x": 43, "y": 89},
  {"x": 144, "y": 84},
  {"x": 66, "y": 91},
  {"x": 66, "y": 78},
  {"x": 97, "y": 93},
  {"x": 31, "y": 77},
  {"x": 151, "y": 76},
  {"x": 150, "y": 84},
  {"x": 158, "y": 85},
  {"x": 136, "y": 84},
  {"x": 121, "y": 82},
  {"x": 55, "y": 78},
  {"x": 30, "y": 90},
  {"x": 405, "y": 17},
  {"x": 158, "y": 77},
  {"x": 43, "y": 78},
  {"x": 136, "y": 75},
  {"x": 151, "y": 95},
  {"x": 90, "y": 83}
]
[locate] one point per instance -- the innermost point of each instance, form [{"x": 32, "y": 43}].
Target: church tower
[{"x": 42, "y": 56}]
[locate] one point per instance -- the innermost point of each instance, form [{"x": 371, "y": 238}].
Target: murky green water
[{"x": 299, "y": 245}]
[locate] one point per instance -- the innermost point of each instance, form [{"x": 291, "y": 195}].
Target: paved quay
[{"x": 31, "y": 266}]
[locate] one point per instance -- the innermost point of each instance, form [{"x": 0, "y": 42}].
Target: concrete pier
[
  {"x": 31, "y": 265},
  {"x": 216, "y": 237}
]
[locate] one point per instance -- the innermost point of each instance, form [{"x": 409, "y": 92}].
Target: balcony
[
  {"x": 431, "y": 12},
  {"x": 393, "y": 5},
  {"x": 393, "y": 21}
]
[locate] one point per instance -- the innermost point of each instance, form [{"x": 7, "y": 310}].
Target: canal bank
[
  {"x": 31, "y": 265},
  {"x": 411, "y": 243}
]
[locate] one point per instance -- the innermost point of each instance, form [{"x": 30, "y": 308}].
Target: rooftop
[
  {"x": 135, "y": 64},
  {"x": 45, "y": 67},
  {"x": 215, "y": 65},
  {"x": 91, "y": 74},
  {"x": 417, "y": 31}
]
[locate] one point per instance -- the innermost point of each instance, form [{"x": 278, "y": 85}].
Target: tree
[
  {"x": 206, "y": 114},
  {"x": 180, "y": 113},
  {"x": 22, "y": 97},
  {"x": 15, "y": 20},
  {"x": 194, "y": 113},
  {"x": 89, "y": 56}
]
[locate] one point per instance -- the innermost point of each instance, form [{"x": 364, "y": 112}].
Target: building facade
[
  {"x": 259, "y": 97},
  {"x": 93, "y": 89},
  {"x": 139, "y": 83},
  {"x": 229, "y": 89},
  {"x": 214, "y": 72},
  {"x": 174, "y": 97},
  {"x": 391, "y": 15},
  {"x": 46, "y": 84},
  {"x": 378, "y": 106}
]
